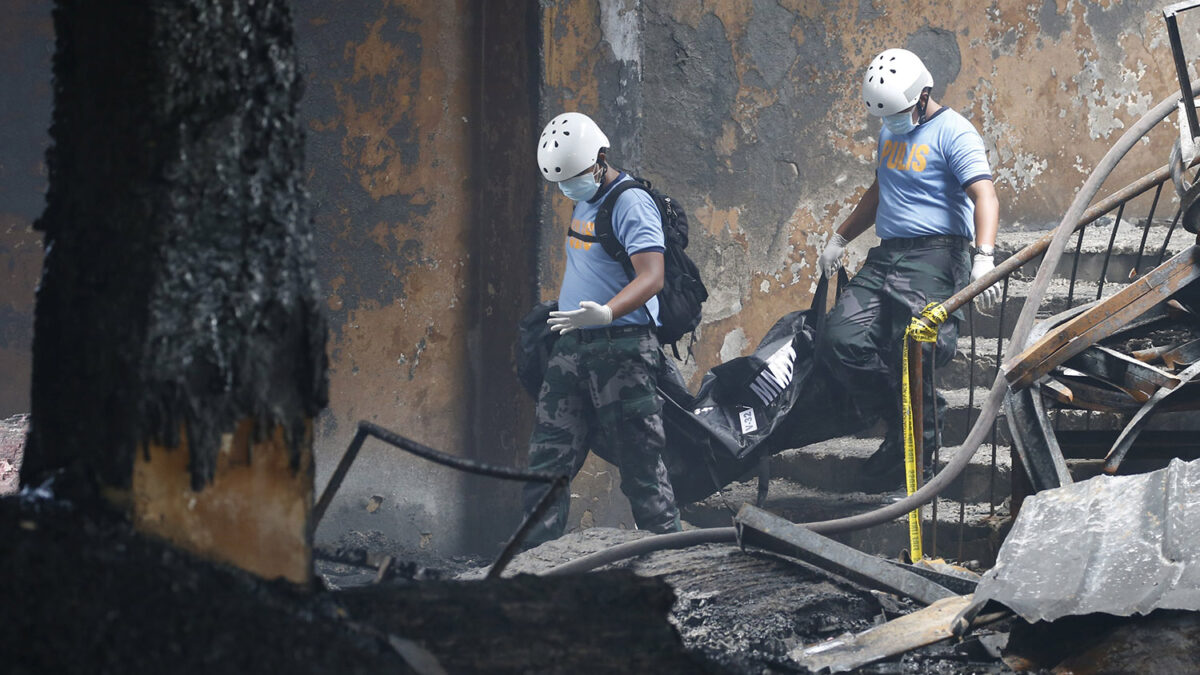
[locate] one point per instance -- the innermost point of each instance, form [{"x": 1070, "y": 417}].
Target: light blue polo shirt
[
  {"x": 591, "y": 274},
  {"x": 923, "y": 176}
]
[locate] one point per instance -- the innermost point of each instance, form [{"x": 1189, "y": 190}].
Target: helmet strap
[{"x": 922, "y": 103}]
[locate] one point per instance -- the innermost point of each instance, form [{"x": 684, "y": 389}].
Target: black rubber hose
[{"x": 987, "y": 414}]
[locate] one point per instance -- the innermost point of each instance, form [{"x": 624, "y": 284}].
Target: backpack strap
[{"x": 605, "y": 235}]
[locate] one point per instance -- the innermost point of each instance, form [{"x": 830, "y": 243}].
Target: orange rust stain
[
  {"x": 403, "y": 364},
  {"x": 716, "y": 221},
  {"x": 734, "y": 16},
  {"x": 381, "y": 234},
  {"x": 254, "y": 514},
  {"x": 571, "y": 39},
  {"x": 726, "y": 144},
  {"x": 413, "y": 99}
]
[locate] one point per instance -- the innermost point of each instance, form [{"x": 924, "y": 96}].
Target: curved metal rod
[{"x": 1077, "y": 216}]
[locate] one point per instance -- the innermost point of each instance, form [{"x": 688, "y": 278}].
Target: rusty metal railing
[
  {"x": 1116, "y": 206},
  {"x": 556, "y": 483}
]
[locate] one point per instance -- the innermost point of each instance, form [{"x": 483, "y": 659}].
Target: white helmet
[
  {"x": 894, "y": 82},
  {"x": 569, "y": 144}
]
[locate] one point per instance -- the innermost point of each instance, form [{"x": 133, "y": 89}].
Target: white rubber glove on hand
[
  {"x": 588, "y": 314},
  {"x": 831, "y": 258},
  {"x": 981, "y": 265}
]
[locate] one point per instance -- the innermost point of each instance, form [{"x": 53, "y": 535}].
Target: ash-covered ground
[{"x": 745, "y": 610}]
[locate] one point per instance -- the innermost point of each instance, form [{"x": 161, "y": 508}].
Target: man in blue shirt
[
  {"x": 600, "y": 385},
  {"x": 932, "y": 196}
]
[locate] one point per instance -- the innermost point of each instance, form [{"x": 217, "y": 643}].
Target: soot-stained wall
[
  {"x": 388, "y": 108},
  {"x": 748, "y": 112},
  {"x": 26, "y": 45},
  {"x": 416, "y": 112}
]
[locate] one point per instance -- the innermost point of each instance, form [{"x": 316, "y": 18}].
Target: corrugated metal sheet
[{"x": 1116, "y": 545}]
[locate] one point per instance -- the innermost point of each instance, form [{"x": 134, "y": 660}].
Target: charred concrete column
[
  {"x": 506, "y": 188},
  {"x": 178, "y": 347}
]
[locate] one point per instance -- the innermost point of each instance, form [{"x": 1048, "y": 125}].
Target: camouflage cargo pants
[
  {"x": 600, "y": 388},
  {"x": 864, "y": 332}
]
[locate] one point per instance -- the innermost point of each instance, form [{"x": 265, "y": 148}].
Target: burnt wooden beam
[
  {"x": 1103, "y": 320},
  {"x": 1112, "y": 463},
  {"x": 759, "y": 528},
  {"x": 1128, "y": 374},
  {"x": 1182, "y": 355},
  {"x": 1034, "y": 440},
  {"x": 1087, "y": 396},
  {"x": 179, "y": 344}
]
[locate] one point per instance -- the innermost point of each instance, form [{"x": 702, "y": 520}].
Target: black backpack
[{"x": 682, "y": 293}]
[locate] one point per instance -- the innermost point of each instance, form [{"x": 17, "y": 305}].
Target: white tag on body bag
[{"x": 746, "y": 417}]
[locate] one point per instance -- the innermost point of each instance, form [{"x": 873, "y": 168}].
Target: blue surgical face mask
[
  {"x": 580, "y": 188},
  {"x": 901, "y": 123}
]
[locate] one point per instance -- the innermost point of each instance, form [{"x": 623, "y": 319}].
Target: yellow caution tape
[{"x": 921, "y": 331}]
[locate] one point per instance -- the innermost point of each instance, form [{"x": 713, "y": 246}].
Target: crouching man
[{"x": 600, "y": 382}]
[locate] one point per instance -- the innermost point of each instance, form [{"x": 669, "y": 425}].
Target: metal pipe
[
  {"x": 1112, "y": 240},
  {"x": 1075, "y": 267},
  {"x": 916, "y": 393},
  {"x": 1137, "y": 263},
  {"x": 514, "y": 542},
  {"x": 556, "y": 481}
]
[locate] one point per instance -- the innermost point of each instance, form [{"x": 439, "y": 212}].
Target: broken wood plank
[
  {"x": 1103, "y": 320},
  {"x": 923, "y": 627},
  {"x": 1151, "y": 354},
  {"x": 1112, "y": 462},
  {"x": 1121, "y": 371},
  {"x": 1182, "y": 355},
  {"x": 756, "y": 527},
  {"x": 1087, "y": 396},
  {"x": 1058, "y": 391},
  {"x": 1034, "y": 440}
]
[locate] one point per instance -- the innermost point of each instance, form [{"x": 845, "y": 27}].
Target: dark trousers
[
  {"x": 863, "y": 343},
  {"x": 600, "y": 387}
]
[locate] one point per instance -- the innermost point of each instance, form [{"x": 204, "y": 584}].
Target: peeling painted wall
[
  {"x": 414, "y": 110},
  {"x": 748, "y": 112},
  {"x": 388, "y": 102}
]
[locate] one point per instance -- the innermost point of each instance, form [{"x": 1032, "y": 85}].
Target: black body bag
[
  {"x": 754, "y": 406},
  {"x": 746, "y": 408}
]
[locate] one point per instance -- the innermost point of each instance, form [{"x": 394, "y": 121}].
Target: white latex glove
[
  {"x": 588, "y": 314},
  {"x": 981, "y": 265},
  {"x": 831, "y": 258}
]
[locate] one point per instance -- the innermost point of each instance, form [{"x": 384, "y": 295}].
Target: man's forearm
[
  {"x": 987, "y": 213},
  {"x": 863, "y": 215},
  {"x": 647, "y": 282}
]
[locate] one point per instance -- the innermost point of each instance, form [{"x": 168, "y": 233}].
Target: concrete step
[
  {"x": 957, "y": 423},
  {"x": 981, "y": 364},
  {"x": 995, "y": 322},
  {"x": 835, "y": 465},
  {"x": 1065, "y": 420},
  {"x": 1095, "y": 247},
  {"x": 981, "y": 529}
]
